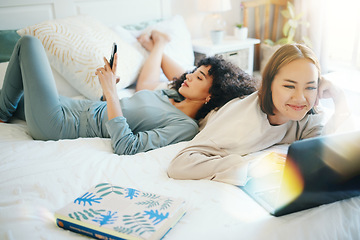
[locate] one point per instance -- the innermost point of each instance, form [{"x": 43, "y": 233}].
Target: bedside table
[{"x": 239, "y": 52}]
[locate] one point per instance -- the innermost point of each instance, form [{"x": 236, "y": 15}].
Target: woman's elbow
[
  {"x": 184, "y": 167},
  {"x": 175, "y": 171},
  {"x": 180, "y": 168}
]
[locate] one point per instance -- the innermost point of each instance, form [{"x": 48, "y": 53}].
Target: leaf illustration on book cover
[
  {"x": 148, "y": 203},
  {"x": 123, "y": 230},
  {"x": 87, "y": 198},
  {"x": 138, "y": 223},
  {"x": 150, "y": 195},
  {"x": 85, "y": 214},
  {"x": 108, "y": 218},
  {"x": 167, "y": 203},
  {"x": 158, "y": 217},
  {"x": 131, "y": 193},
  {"x": 108, "y": 188},
  {"x": 152, "y": 203}
]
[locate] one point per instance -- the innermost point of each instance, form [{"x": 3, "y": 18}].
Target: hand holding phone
[{"x": 114, "y": 50}]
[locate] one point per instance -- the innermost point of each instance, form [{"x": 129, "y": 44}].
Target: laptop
[{"x": 314, "y": 171}]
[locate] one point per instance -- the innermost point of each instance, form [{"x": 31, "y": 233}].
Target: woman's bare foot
[
  {"x": 156, "y": 37},
  {"x": 146, "y": 41},
  {"x": 160, "y": 37}
]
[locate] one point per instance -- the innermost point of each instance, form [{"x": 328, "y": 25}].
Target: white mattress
[{"x": 39, "y": 177}]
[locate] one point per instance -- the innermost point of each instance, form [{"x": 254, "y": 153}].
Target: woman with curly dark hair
[
  {"x": 229, "y": 82},
  {"x": 149, "y": 119}
]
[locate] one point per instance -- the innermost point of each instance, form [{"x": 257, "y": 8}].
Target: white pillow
[
  {"x": 76, "y": 46},
  {"x": 179, "y": 48}
]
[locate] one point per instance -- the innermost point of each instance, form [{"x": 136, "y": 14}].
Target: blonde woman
[{"x": 282, "y": 111}]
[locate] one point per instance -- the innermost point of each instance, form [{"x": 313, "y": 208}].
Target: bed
[{"x": 39, "y": 177}]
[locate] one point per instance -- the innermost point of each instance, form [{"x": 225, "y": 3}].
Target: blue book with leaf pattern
[{"x": 113, "y": 212}]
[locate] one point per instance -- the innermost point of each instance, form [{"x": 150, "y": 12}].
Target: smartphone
[{"x": 114, "y": 50}]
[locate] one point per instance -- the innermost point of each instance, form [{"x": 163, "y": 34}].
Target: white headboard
[{"x": 15, "y": 14}]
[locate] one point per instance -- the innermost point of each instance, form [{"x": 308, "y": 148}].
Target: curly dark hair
[{"x": 229, "y": 82}]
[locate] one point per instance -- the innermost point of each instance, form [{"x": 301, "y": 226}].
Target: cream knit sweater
[{"x": 238, "y": 128}]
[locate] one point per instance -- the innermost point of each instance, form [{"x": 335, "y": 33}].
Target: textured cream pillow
[{"x": 76, "y": 46}]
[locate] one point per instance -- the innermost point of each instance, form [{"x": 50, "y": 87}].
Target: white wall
[{"x": 194, "y": 18}]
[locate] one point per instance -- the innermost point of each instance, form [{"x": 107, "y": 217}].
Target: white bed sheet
[{"x": 39, "y": 177}]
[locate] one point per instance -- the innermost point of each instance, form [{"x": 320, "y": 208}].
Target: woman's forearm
[
  {"x": 113, "y": 106},
  {"x": 149, "y": 77},
  {"x": 192, "y": 163},
  {"x": 340, "y": 103},
  {"x": 341, "y": 120},
  {"x": 171, "y": 68}
]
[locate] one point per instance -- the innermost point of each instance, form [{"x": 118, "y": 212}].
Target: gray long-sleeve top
[{"x": 150, "y": 121}]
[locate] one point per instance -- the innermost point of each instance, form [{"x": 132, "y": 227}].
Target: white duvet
[{"x": 39, "y": 177}]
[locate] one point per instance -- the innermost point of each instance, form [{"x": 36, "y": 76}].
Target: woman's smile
[{"x": 297, "y": 107}]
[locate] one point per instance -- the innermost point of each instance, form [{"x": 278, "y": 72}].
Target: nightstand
[{"x": 239, "y": 52}]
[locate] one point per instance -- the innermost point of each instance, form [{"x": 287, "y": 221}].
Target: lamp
[{"x": 214, "y": 25}]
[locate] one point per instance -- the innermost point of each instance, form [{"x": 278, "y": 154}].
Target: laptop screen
[
  {"x": 326, "y": 169},
  {"x": 315, "y": 171}
]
